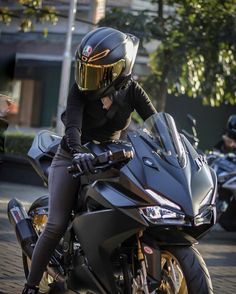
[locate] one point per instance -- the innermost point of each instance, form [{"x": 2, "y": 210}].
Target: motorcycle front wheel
[{"x": 184, "y": 272}]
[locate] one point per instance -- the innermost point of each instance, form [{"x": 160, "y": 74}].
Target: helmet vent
[{"x": 99, "y": 55}]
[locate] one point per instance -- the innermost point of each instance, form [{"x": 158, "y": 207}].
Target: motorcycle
[
  {"x": 137, "y": 219},
  {"x": 225, "y": 168},
  {"x": 224, "y": 165}
]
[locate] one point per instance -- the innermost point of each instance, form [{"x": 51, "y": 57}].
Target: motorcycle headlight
[
  {"x": 167, "y": 212},
  {"x": 160, "y": 215}
]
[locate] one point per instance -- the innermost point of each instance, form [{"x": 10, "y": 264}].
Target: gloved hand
[{"x": 84, "y": 162}]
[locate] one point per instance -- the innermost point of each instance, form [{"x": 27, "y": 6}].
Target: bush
[{"x": 18, "y": 143}]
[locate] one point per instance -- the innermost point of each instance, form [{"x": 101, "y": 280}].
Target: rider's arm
[
  {"x": 141, "y": 102},
  {"x": 72, "y": 120}
]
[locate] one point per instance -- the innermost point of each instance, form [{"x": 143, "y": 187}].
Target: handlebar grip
[
  {"x": 122, "y": 155},
  {"x": 103, "y": 159}
]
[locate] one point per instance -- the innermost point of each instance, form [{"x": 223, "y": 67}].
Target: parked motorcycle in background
[
  {"x": 225, "y": 168},
  {"x": 224, "y": 165},
  {"x": 137, "y": 219}
]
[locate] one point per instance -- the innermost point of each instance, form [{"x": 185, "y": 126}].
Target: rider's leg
[{"x": 62, "y": 192}]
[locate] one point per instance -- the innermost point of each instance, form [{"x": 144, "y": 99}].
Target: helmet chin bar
[
  {"x": 122, "y": 82},
  {"x": 116, "y": 86},
  {"x": 107, "y": 91},
  {"x": 98, "y": 94}
]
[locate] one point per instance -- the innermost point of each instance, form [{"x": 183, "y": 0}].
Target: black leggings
[{"x": 62, "y": 195}]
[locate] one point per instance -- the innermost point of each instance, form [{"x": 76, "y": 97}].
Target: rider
[
  {"x": 99, "y": 107},
  {"x": 228, "y": 142}
]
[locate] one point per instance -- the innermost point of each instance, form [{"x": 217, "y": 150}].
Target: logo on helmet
[{"x": 87, "y": 51}]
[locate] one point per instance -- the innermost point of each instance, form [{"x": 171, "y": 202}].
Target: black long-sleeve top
[{"x": 86, "y": 120}]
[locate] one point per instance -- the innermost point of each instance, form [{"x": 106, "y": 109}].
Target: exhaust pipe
[
  {"x": 23, "y": 226},
  {"x": 26, "y": 234}
]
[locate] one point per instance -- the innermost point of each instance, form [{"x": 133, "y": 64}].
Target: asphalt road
[{"x": 218, "y": 247}]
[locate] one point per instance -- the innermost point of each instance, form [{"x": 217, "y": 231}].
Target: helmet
[
  {"x": 104, "y": 60},
  {"x": 231, "y": 126}
]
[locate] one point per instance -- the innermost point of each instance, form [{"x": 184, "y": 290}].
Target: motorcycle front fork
[{"x": 140, "y": 282}]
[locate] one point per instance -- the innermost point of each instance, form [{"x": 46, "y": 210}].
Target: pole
[{"x": 66, "y": 68}]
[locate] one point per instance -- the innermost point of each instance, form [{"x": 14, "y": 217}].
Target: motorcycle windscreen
[{"x": 161, "y": 133}]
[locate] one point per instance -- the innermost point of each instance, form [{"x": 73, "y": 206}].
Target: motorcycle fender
[{"x": 153, "y": 260}]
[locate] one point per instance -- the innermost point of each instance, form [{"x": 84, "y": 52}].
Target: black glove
[{"x": 84, "y": 162}]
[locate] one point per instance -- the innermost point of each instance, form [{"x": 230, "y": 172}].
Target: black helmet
[
  {"x": 231, "y": 126},
  {"x": 104, "y": 60}
]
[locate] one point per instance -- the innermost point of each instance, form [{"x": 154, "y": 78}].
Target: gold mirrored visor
[{"x": 90, "y": 77}]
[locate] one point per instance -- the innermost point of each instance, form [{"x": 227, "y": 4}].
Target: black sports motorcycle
[
  {"x": 137, "y": 219},
  {"x": 224, "y": 165}
]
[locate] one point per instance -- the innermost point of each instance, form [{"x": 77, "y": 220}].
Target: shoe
[{"x": 30, "y": 289}]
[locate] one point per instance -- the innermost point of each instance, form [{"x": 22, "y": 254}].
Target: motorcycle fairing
[
  {"x": 112, "y": 194},
  {"x": 105, "y": 196},
  {"x": 104, "y": 237},
  {"x": 186, "y": 185},
  {"x": 43, "y": 149}
]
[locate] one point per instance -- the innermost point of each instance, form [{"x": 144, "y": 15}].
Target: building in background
[{"x": 32, "y": 62}]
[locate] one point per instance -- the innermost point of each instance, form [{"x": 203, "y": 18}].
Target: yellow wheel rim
[{"x": 173, "y": 280}]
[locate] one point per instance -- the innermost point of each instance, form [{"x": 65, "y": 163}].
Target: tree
[
  {"x": 196, "y": 55},
  {"x": 28, "y": 13}
]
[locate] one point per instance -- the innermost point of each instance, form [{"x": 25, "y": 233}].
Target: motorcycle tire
[
  {"x": 227, "y": 219},
  {"x": 184, "y": 272}
]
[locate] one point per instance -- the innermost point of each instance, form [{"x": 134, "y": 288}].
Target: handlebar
[{"x": 103, "y": 160}]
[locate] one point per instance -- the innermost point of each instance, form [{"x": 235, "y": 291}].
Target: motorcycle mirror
[{"x": 191, "y": 119}]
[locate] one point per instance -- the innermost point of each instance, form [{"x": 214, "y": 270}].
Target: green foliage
[
  {"x": 197, "y": 54},
  {"x": 137, "y": 24},
  {"x": 29, "y": 12},
  {"x": 5, "y": 16},
  {"x": 18, "y": 143},
  {"x": 201, "y": 47},
  {"x": 148, "y": 84}
]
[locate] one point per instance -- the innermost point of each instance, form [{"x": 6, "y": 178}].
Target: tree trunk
[
  {"x": 164, "y": 81},
  {"x": 161, "y": 102}
]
